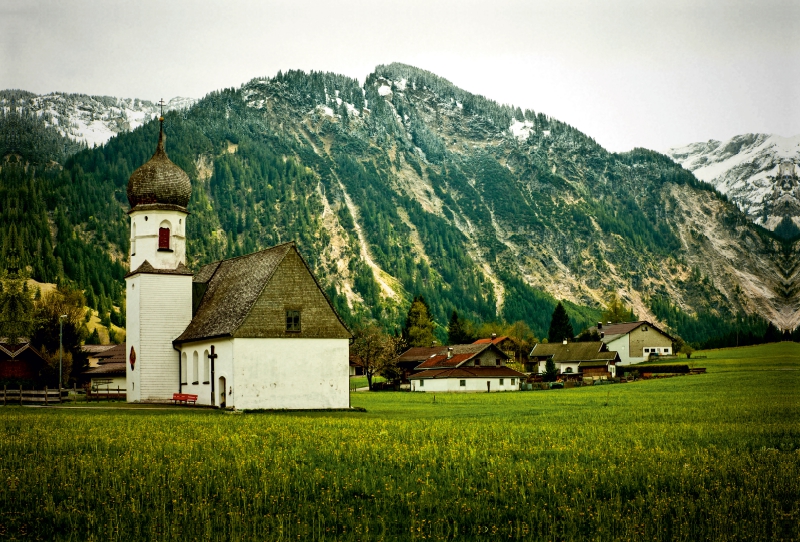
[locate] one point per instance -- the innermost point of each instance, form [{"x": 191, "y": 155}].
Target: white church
[{"x": 253, "y": 332}]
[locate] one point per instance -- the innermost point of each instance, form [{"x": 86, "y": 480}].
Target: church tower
[{"x": 159, "y": 285}]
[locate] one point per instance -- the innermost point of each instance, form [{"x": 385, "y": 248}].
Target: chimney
[
  {"x": 602, "y": 334},
  {"x": 599, "y": 326},
  {"x": 433, "y": 343},
  {"x": 449, "y": 352},
  {"x": 608, "y": 323},
  {"x": 494, "y": 336},
  {"x": 565, "y": 341}
]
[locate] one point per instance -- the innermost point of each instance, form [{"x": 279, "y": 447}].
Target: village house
[
  {"x": 577, "y": 358},
  {"x": 21, "y": 364},
  {"x": 465, "y": 368},
  {"x": 513, "y": 350},
  {"x": 635, "y": 341},
  {"x": 107, "y": 371},
  {"x": 96, "y": 352},
  {"x": 253, "y": 332}
]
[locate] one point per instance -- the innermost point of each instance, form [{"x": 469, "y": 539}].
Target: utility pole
[{"x": 60, "y": 350}]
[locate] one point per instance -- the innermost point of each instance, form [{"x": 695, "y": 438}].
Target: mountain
[
  {"x": 89, "y": 120},
  {"x": 758, "y": 172},
  {"x": 408, "y": 185}
]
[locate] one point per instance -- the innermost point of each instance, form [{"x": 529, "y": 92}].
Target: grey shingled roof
[
  {"x": 159, "y": 182},
  {"x": 233, "y": 287},
  {"x": 581, "y": 351}
]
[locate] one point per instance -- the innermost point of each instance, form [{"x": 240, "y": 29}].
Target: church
[{"x": 252, "y": 332}]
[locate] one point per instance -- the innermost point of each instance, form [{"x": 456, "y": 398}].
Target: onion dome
[{"x": 159, "y": 183}]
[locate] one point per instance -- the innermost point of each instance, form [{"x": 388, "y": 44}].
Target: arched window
[
  {"x": 183, "y": 368},
  {"x": 206, "y": 368},
  {"x": 133, "y": 240},
  {"x": 568, "y": 370},
  {"x": 163, "y": 236},
  {"x": 195, "y": 368}
]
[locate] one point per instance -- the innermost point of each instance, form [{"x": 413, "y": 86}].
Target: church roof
[
  {"x": 159, "y": 183},
  {"x": 232, "y": 289}
]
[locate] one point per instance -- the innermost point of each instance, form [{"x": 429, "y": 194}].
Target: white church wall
[
  {"x": 453, "y": 385},
  {"x": 132, "y": 334},
  {"x": 145, "y": 225},
  {"x": 165, "y": 309},
  {"x": 290, "y": 374},
  {"x": 223, "y": 367}
]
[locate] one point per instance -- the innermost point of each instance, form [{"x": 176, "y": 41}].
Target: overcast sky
[{"x": 628, "y": 73}]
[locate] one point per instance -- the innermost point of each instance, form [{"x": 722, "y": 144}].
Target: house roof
[
  {"x": 496, "y": 340},
  {"x": 615, "y": 331},
  {"x": 579, "y": 351},
  {"x": 16, "y": 349},
  {"x": 95, "y": 349},
  {"x": 115, "y": 354},
  {"x": 469, "y": 372},
  {"x": 596, "y": 363},
  {"x": 232, "y": 288},
  {"x": 461, "y": 353},
  {"x": 421, "y": 353},
  {"x": 107, "y": 369}
]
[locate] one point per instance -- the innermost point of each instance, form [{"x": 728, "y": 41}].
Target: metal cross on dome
[{"x": 161, "y": 103}]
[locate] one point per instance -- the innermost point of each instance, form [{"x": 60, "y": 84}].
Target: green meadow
[{"x": 712, "y": 456}]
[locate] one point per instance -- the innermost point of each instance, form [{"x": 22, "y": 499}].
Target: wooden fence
[
  {"x": 106, "y": 393},
  {"x": 45, "y": 396}
]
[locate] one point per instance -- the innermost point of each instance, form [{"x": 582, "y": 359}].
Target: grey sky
[{"x": 628, "y": 73}]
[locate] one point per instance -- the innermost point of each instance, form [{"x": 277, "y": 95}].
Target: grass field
[{"x": 714, "y": 456}]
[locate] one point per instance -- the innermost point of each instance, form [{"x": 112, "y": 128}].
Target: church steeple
[
  {"x": 158, "y": 192},
  {"x": 158, "y": 286},
  {"x": 159, "y": 183}
]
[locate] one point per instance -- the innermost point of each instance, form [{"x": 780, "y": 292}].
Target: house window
[
  {"x": 183, "y": 368},
  {"x": 501, "y": 381},
  {"x": 497, "y": 362},
  {"x": 421, "y": 383},
  {"x": 462, "y": 383},
  {"x": 293, "y": 320},
  {"x": 477, "y": 363},
  {"x": 195, "y": 368},
  {"x": 513, "y": 381},
  {"x": 646, "y": 350},
  {"x": 163, "y": 239},
  {"x": 568, "y": 370},
  {"x": 206, "y": 368}
]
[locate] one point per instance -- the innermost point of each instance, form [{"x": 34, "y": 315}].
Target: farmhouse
[
  {"x": 589, "y": 358},
  {"x": 466, "y": 368},
  {"x": 21, "y": 363},
  {"x": 251, "y": 332},
  {"x": 635, "y": 341}
]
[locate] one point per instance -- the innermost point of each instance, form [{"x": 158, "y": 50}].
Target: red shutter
[{"x": 163, "y": 238}]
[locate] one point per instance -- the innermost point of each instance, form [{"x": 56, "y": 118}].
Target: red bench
[{"x": 184, "y": 398}]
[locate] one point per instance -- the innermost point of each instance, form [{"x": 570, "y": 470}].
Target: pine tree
[
  {"x": 560, "y": 326},
  {"x": 419, "y": 326},
  {"x": 458, "y": 331}
]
